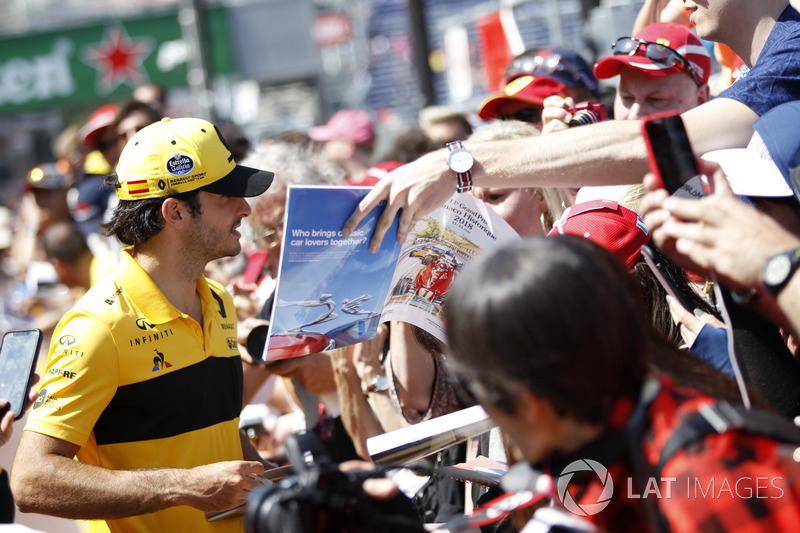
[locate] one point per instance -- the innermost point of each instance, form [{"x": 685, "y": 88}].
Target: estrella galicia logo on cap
[{"x": 180, "y": 164}]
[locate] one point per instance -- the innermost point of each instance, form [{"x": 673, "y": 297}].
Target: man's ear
[
  {"x": 174, "y": 212},
  {"x": 703, "y": 94}
]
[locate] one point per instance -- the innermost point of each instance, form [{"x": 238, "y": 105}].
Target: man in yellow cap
[{"x": 143, "y": 384}]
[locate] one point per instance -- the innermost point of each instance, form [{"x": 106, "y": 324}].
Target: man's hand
[
  {"x": 313, "y": 372},
  {"x": 46, "y": 479},
  {"x": 556, "y": 115},
  {"x": 413, "y": 190},
  {"x": 7, "y": 420},
  {"x": 222, "y": 486},
  {"x": 380, "y": 488},
  {"x": 690, "y": 323},
  {"x": 717, "y": 233}
]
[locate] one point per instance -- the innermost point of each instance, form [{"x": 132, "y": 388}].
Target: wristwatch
[
  {"x": 378, "y": 384},
  {"x": 460, "y": 161},
  {"x": 779, "y": 269}
]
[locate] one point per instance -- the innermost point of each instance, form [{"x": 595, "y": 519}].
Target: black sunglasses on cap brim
[{"x": 656, "y": 52}]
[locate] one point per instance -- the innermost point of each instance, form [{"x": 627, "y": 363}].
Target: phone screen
[
  {"x": 18, "y": 353},
  {"x": 671, "y": 157}
]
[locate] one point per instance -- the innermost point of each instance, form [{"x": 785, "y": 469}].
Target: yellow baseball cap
[{"x": 180, "y": 155}]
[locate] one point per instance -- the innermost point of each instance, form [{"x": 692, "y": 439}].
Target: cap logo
[
  {"x": 180, "y": 164},
  {"x": 517, "y": 84},
  {"x": 663, "y": 41},
  {"x": 697, "y": 69}
]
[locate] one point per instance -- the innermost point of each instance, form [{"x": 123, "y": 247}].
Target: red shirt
[{"x": 733, "y": 482}]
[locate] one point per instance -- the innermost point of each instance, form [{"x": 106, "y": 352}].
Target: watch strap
[
  {"x": 463, "y": 179},
  {"x": 794, "y": 262}
]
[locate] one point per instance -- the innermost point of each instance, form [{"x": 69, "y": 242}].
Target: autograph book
[{"x": 332, "y": 291}]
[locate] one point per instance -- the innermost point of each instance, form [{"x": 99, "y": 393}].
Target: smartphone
[
  {"x": 18, "y": 353},
  {"x": 671, "y": 158},
  {"x": 655, "y": 264}
]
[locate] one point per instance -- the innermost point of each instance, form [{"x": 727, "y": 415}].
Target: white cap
[{"x": 751, "y": 171}]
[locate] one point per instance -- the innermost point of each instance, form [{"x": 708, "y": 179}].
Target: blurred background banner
[
  {"x": 91, "y": 64},
  {"x": 270, "y": 66}
]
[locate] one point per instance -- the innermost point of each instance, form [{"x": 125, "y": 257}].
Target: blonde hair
[{"x": 556, "y": 198}]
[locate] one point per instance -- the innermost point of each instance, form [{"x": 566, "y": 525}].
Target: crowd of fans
[{"x": 570, "y": 339}]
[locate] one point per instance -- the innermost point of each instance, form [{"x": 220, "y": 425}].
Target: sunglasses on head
[
  {"x": 531, "y": 115},
  {"x": 656, "y": 52},
  {"x": 547, "y": 65}
]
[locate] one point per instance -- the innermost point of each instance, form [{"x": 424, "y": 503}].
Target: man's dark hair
[
  {"x": 559, "y": 317},
  {"x": 135, "y": 221}
]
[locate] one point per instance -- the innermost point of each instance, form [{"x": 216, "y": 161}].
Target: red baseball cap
[
  {"x": 612, "y": 226},
  {"x": 101, "y": 118},
  {"x": 374, "y": 174},
  {"x": 528, "y": 89},
  {"x": 349, "y": 124},
  {"x": 679, "y": 38}
]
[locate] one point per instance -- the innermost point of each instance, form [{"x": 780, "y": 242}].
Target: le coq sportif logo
[{"x": 586, "y": 508}]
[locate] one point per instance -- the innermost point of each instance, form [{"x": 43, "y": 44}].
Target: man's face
[
  {"x": 640, "y": 95},
  {"x": 215, "y": 231},
  {"x": 338, "y": 150},
  {"x": 712, "y": 18},
  {"x": 131, "y": 124},
  {"x": 446, "y": 131},
  {"x": 267, "y": 223},
  {"x": 106, "y": 142},
  {"x": 522, "y": 111}
]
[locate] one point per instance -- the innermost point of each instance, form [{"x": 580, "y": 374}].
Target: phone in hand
[
  {"x": 18, "y": 353},
  {"x": 671, "y": 158},
  {"x": 664, "y": 278}
]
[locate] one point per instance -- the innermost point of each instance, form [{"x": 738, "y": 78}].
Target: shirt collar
[{"x": 146, "y": 294}]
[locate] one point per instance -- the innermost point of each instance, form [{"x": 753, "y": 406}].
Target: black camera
[{"x": 320, "y": 497}]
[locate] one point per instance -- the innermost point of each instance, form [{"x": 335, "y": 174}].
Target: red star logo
[{"x": 118, "y": 59}]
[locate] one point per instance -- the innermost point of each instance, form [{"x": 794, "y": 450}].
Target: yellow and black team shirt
[{"x": 139, "y": 384}]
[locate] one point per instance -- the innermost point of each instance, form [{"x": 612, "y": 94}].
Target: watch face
[
  {"x": 460, "y": 160},
  {"x": 777, "y": 269},
  {"x": 379, "y": 384}
]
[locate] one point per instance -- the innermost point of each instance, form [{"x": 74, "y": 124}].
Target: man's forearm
[
  {"x": 46, "y": 479},
  {"x": 607, "y": 153},
  {"x": 72, "y": 489}
]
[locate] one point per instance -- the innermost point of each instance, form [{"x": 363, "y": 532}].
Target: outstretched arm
[
  {"x": 46, "y": 479},
  {"x": 606, "y": 153}
]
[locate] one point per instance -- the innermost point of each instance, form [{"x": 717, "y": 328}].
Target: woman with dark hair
[
  {"x": 551, "y": 337},
  {"x": 587, "y": 353}
]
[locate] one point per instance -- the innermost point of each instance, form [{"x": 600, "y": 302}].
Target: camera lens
[{"x": 256, "y": 341}]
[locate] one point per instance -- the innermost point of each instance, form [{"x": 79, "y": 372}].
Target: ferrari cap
[{"x": 614, "y": 227}]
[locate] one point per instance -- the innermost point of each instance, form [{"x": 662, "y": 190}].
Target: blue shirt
[
  {"x": 775, "y": 77},
  {"x": 711, "y": 345}
]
